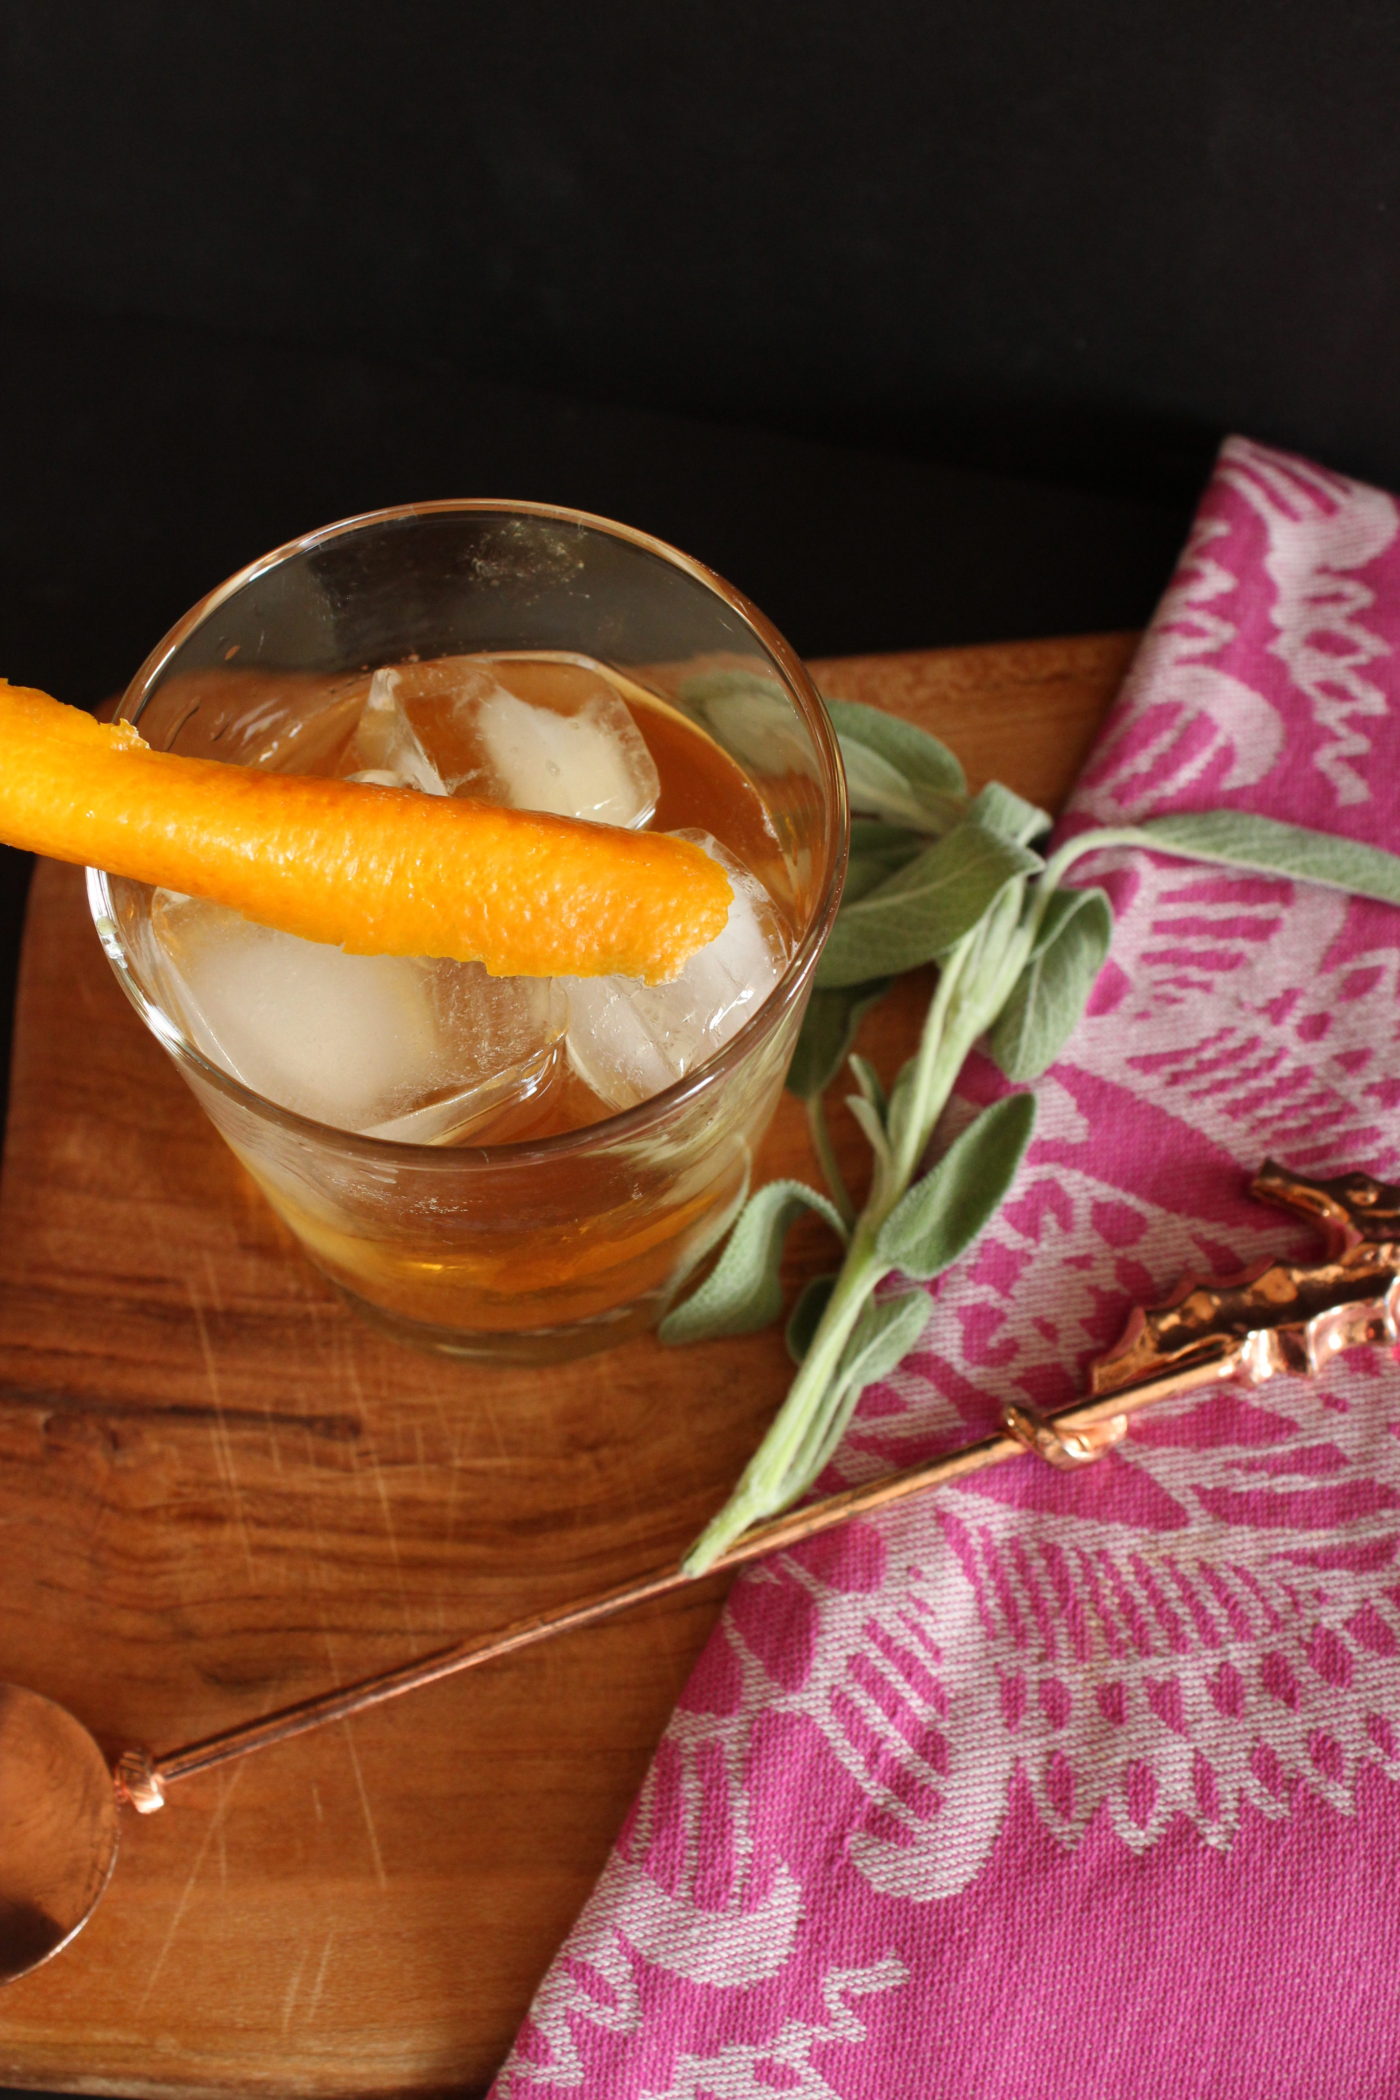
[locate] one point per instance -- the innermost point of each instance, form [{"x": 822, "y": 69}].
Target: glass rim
[{"x": 622, "y": 1125}]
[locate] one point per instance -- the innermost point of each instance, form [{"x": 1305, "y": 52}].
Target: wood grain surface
[{"x": 219, "y": 1491}]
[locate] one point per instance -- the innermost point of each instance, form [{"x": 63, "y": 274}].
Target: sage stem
[{"x": 820, "y": 1134}]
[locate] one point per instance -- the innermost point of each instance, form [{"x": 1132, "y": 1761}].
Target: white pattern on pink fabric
[
  {"x": 1321, "y": 530},
  {"x": 1181, "y": 715},
  {"x": 1040, "y": 1712}
]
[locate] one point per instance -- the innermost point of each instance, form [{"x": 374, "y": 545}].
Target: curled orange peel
[{"x": 374, "y": 870}]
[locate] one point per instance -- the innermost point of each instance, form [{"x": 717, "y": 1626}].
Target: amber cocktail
[{"x": 502, "y": 1168}]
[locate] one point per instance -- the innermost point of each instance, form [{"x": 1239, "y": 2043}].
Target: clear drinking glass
[{"x": 533, "y": 1250}]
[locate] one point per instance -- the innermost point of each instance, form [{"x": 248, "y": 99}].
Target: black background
[
  {"x": 920, "y": 319},
  {"x": 755, "y": 276}
]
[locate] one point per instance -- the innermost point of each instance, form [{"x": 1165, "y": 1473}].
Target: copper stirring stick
[
  {"x": 1279, "y": 1317},
  {"x": 1285, "y": 1317}
]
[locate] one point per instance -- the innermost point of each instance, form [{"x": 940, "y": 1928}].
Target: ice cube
[
  {"x": 592, "y": 763},
  {"x": 362, "y": 1042},
  {"x": 386, "y": 747},
  {"x": 500, "y": 1038},
  {"x": 628, "y": 1040},
  {"x": 565, "y": 742}
]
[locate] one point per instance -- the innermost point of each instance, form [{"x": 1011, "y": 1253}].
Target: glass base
[{"x": 537, "y": 1345}]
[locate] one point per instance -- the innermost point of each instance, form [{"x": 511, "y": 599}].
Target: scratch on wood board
[
  {"x": 348, "y": 1732},
  {"x": 216, "y": 1822},
  {"x": 223, "y": 1443},
  {"x": 289, "y": 2000},
  {"x": 319, "y": 1980},
  {"x": 392, "y": 1537},
  {"x": 211, "y": 1278},
  {"x": 377, "y": 1473}
]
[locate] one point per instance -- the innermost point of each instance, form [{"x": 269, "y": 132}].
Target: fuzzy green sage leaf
[
  {"x": 1238, "y": 839},
  {"x": 743, "y": 1291},
  {"x": 894, "y": 769},
  {"x": 751, "y": 715},
  {"x": 1053, "y": 990},
  {"x": 887, "y": 1330},
  {"x": 810, "y": 1304},
  {"x": 924, "y": 909},
  {"x": 829, "y": 1029},
  {"x": 940, "y": 1216},
  {"x": 878, "y": 850},
  {"x": 1009, "y": 815}
]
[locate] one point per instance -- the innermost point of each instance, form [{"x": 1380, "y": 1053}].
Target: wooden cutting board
[{"x": 219, "y": 1492}]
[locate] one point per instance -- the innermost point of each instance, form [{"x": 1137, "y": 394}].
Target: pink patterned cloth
[{"x": 1055, "y": 1785}]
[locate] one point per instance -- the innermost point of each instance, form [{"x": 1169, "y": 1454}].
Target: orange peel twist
[{"x": 374, "y": 870}]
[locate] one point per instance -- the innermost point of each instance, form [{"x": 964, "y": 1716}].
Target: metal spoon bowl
[{"x": 60, "y": 1818}]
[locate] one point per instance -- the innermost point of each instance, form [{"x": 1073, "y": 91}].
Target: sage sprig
[{"x": 942, "y": 877}]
